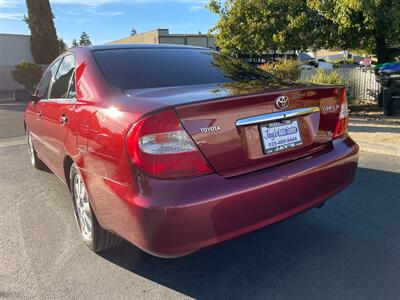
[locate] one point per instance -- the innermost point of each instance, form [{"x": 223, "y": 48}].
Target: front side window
[
  {"x": 59, "y": 88},
  {"x": 45, "y": 83}
]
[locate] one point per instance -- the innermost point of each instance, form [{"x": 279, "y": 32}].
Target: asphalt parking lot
[
  {"x": 11, "y": 119},
  {"x": 349, "y": 249}
]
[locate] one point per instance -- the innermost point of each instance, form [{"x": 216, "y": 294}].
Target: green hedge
[
  {"x": 285, "y": 69},
  {"x": 27, "y": 74},
  {"x": 322, "y": 77}
]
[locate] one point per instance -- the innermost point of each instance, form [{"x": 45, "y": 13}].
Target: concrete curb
[
  {"x": 380, "y": 137},
  {"x": 381, "y": 148},
  {"x": 7, "y": 100},
  {"x": 11, "y": 142}
]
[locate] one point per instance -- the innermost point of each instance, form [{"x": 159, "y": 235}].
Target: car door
[
  {"x": 34, "y": 113},
  {"x": 58, "y": 111}
]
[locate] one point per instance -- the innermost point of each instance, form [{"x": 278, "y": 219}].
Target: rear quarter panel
[{"x": 103, "y": 117}]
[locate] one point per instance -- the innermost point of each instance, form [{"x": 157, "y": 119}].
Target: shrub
[
  {"x": 322, "y": 77},
  {"x": 27, "y": 74},
  {"x": 286, "y": 69}
]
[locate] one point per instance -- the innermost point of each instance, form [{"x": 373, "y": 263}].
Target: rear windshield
[{"x": 152, "y": 68}]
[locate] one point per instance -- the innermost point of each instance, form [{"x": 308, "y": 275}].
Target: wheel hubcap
[
  {"x": 30, "y": 149},
  {"x": 83, "y": 212}
]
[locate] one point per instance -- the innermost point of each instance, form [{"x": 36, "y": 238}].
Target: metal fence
[{"x": 362, "y": 81}]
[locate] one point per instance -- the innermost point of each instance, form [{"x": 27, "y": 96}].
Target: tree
[
  {"x": 84, "y": 40},
  {"x": 255, "y": 27},
  {"x": 133, "y": 31},
  {"x": 27, "y": 74},
  {"x": 258, "y": 26},
  {"x": 369, "y": 25},
  {"x": 75, "y": 43},
  {"x": 62, "y": 46},
  {"x": 44, "y": 43}
]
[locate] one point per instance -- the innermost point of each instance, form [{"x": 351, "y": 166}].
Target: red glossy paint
[{"x": 246, "y": 190}]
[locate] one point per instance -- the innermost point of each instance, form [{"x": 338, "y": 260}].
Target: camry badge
[{"x": 282, "y": 102}]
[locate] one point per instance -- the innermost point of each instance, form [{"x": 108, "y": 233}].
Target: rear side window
[
  {"x": 44, "y": 84},
  {"x": 152, "y": 68},
  {"x": 63, "y": 77}
]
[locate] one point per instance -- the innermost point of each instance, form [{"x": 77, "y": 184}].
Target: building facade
[
  {"x": 162, "y": 36},
  {"x": 14, "y": 48}
]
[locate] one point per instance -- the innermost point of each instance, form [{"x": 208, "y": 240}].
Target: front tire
[{"x": 93, "y": 235}]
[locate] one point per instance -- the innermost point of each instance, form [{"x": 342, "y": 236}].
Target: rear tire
[
  {"x": 93, "y": 235},
  {"x": 36, "y": 162}
]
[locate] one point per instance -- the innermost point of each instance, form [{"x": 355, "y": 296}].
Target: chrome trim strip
[{"x": 277, "y": 116}]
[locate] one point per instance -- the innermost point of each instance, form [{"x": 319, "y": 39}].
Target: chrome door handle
[{"x": 63, "y": 119}]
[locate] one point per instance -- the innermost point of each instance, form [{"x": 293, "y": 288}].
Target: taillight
[
  {"x": 342, "y": 122},
  {"x": 160, "y": 147}
]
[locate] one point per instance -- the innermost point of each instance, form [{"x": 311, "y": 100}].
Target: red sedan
[{"x": 178, "y": 148}]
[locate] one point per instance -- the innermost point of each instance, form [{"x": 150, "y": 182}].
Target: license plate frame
[{"x": 277, "y": 143}]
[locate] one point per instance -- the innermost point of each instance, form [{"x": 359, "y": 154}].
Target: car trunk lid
[
  {"x": 232, "y": 132},
  {"x": 226, "y": 120}
]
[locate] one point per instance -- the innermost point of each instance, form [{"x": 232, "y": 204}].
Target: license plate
[{"x": 280, "y": 136}]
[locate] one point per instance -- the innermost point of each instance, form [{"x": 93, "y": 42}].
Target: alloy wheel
[
  {"x": 82, "y": 207},
  {"x": 31, "y": 151}
]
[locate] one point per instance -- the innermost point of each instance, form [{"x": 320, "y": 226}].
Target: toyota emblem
[{"x": 282, "y": 102}]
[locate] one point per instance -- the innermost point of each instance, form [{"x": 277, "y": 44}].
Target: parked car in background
[
  {"x": 324, "y": 65},
  {"x": 178, "y": 148},
  {"x": 305, "y": 58},
  {"x": 317, "y": 64},
  {"x": 365, "y": 62}
]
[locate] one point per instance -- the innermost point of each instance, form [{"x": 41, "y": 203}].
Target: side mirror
[{"x": 35, "y": 98}]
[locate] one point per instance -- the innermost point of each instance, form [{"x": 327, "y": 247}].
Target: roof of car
[{"x": 144, "y": 46}]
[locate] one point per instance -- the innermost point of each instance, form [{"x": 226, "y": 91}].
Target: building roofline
[
  {"x": 168, "y": 35},
  {"x": 143, "y": 46},
  {"x": 189, "y": 35},
  {"x": 15, "y": 34}
]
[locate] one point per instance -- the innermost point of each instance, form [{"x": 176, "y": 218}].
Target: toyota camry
[{"x": 177, "y": 148}]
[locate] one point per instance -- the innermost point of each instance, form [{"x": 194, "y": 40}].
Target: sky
[{"x": 107, "y": 20}]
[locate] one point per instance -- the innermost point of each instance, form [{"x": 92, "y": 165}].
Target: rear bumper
[{"x": 173, "y": 218}]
